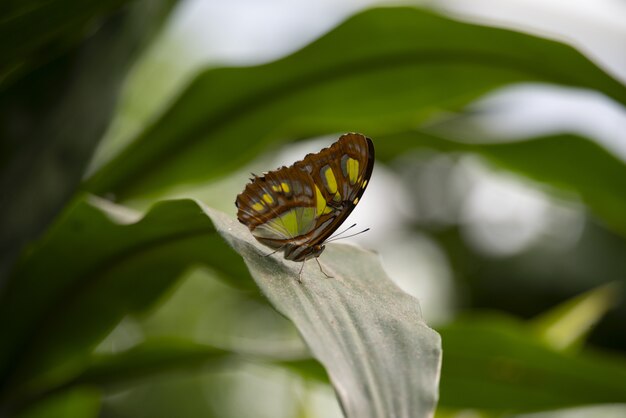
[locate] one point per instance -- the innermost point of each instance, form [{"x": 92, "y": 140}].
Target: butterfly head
[{"x": 298, "y": 253}]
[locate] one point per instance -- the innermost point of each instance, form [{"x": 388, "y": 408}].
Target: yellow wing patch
[
  {"x": 293, "y": 223},
  {"x": 320, "y": 201},
  {"x": 352, "y": 167},
  {"x": 268, "y": 198},
  {"x": 329, "y": 179},
  {"x": 283, "y": 187},
  {"x": 289, "y": 221}
]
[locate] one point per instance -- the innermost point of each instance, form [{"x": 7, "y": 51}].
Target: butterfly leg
[
  {"x": 272, "y": 253},
  {"x": 300, "y": 273},
  {"x": 322, "y": 270}
]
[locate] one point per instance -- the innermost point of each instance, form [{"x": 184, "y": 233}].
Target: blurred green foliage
[
  {"x": 494, "y": 363},
  {"x": 368, "y": 75},
  {"x": 76, "y": 268},
  {"x": 123, "y": 268},
  {"x": 65, "y": 62}
]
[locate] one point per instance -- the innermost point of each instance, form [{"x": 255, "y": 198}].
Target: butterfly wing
[
  {"x": 278, "y": 207},
  {"x": 341, "y": 173},
  {"x": 304, "y": 204}
]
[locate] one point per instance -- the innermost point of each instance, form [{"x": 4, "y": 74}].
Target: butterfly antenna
[
  {"x": 344, "y": 231},
  {"x": 347, "y": 236}
]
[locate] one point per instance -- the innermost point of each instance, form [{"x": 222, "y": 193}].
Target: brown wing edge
[
  {"x": 261, "y": 184},
  {"x": 371, "y": 157},
  {"x": 300, "y": 195}
]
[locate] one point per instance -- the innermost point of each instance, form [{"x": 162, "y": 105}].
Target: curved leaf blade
[
  {"x": 97, "y": 264},
  {"x": 496, "y": 363},
  {"x": 382, "y": 71},
  {"x": 145, "y": 359},
  {"x": 380, "y": 356},
  {"x": 65, "y": 105},
  {"x": 32, "y": 33},
  {"x": 83, "y": 402},
  {"x": 566, "y": 326}
]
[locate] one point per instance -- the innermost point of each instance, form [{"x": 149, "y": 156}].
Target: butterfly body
[{"x": 296, "y": 209}]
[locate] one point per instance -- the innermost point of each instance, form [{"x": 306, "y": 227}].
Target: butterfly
[{"x": 296, "y": 209}]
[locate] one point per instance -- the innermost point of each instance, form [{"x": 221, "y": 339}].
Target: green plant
[{"x": 76, "y": 264}]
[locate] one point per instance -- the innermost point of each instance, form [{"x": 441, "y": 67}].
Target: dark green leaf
[
  {"x": 96, "y": 265},
  {"x": 33, "y": 32},
  {"x": 75, "y": 403},
  {"x": 145, "y": 359},
  {"x": 497, "y": 364},
  {"x": 53, "y": 118},
  {"x": 307, "y": 368},
  {"x": 382, "y": 71}
]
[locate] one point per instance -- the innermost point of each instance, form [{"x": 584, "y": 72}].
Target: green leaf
[
  {"x": 594, "y": 411},
  {"x": 53, "y": 118},
  {"x": 497, "y": 364},
  {"x": 307, "y": 368},
  {"x": 145, "y": 359},
  {"x": 379, "y": 354},
  {"x": 97, "y": 264},
  {"x": 384, "y": 70},
  {"x": 566, "y": 326},
  {"x": 34, "y": 32},
  {"x": 83, "y": 402},
  {"x": 568, "y": 164}
]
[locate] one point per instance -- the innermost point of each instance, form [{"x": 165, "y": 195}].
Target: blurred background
[
  {"x": 464, "y": 235},
  {"x": 499, "y": 217}
]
